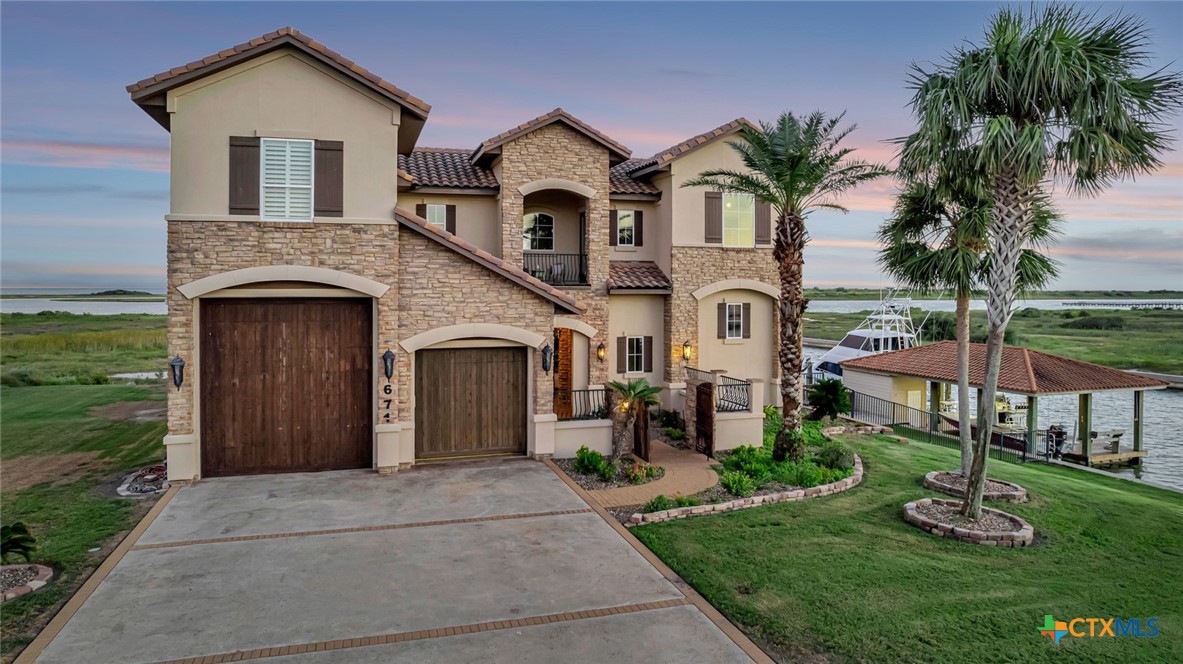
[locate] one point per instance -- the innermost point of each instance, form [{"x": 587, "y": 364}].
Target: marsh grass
[{"x": 54, "y": 348}]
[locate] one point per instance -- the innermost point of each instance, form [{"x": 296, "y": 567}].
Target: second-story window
[
  {"x": 287, "y": 177},
  {"x": 437, "y": 215},
  {"x": 625, "y": 228},
  {"x": 739, "y": 220},
  {"x": 636, "y": 355},
  {"x": 538, "y": 232}
]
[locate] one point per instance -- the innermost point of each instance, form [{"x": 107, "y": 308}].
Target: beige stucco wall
[
  {"x": 747, "y": 359},
  {"x": 570, "y": 436},
  {"x": 636, "y": 316},
  {"x": 689, "y": 210},
  {"x": 654, "y": 232},
  {"x": 477, "y": 218},
  {"x": 288, "y": 95}
]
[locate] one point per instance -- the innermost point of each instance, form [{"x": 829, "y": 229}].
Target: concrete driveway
[{"x": 492, "y": 561}]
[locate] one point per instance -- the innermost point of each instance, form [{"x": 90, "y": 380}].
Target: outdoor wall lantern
[
  {"x": 686, "y": 350},
  {"x": 388, "y": 363},
  {"x": 601, "y": 352},
  {"x": 547, "y": 352},
  {"x": 176, "y": 367}
]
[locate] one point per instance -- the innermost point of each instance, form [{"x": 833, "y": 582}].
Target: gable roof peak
[
  {"x": 662, "y": 158},
  {"x": 617, "y": 152}
]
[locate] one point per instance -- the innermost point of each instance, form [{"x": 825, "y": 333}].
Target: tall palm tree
[
  {"x": 937, "y": 240},
  {"x": 632, "y": 396},
  {"x": 1056, "y": 93},
  {"x": 796, "y": 165}
]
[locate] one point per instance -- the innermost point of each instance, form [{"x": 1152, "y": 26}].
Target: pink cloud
[{"x": 67, "y": 154}]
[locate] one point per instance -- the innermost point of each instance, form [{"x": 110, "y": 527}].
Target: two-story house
[{"x": 343, "y": 297}]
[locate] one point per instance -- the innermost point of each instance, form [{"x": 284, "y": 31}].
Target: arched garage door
[
  {"x": 285, "y": 385},
  {"x": 470, "y": 402}
]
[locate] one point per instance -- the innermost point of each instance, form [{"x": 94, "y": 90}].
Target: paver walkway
[{"x": 686, "y": 473}]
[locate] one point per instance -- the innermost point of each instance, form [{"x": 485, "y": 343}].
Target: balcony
[{"x": 556, "y": 269}]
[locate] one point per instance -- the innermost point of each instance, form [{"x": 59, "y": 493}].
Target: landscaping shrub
[
  {"x": 670, "y": 419},
  {"x": 659, "y": 503},
  {"x": 738, "y": 483},
  {"x": 752, "y": 461},
  {"x": 588, "y": 462},
  {"x": 607, "y": 471},
  {"x": 675, "y": 434},
  {"x": 828, "y": 398},
  {"x": 772, "y": 422},
  {"x": 812, "y": 431},
  {"x": 16, "y": 540},
  {"x": 785, "y": 473},
  {"x": 639, "y": 472},
  {"x": 808, "y": 475},
  {"x": 1095, "y": 323},
  {"x": 837, "y": 456},
  {"x": 687, "y": 501}
]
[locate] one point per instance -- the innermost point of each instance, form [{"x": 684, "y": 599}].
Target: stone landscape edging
[
  {"x": 1017, "y": 495},
  {"x": 752, "y": 501},
  {"x": 44, "y": 574},
  {"x": 1015, "y": 538}
]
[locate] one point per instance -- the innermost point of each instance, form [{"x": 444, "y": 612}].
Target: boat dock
[
  {"x": 1125, "y": 304},
  {"x": 1104, "y": 456}
]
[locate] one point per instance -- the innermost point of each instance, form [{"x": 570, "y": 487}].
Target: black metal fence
[
  {"x": 557, "y": 269},
  {"x": 581, "y": 404},
  {"x": 733, "y": 395},
  {"x": 699, "y": 375},
  {"x": 928, "y": 427}
]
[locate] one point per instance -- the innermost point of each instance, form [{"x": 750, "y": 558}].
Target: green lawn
[
  {"x": 72, "y": 512},
  {"x": 844, "y": 578}
]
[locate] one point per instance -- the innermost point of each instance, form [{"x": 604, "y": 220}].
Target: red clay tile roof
[
  {"x": 669, "y": 154},
  {"x": 268, "y": 42},
  {"x": 478, "y": 255},
  {"x": 446, "y": 167},
  {"x": 620, "y": 182},
  {"x": 625, "y": 275},
  {"x": 557, "y": 115},
  {"x": 1023, "y": 371}
]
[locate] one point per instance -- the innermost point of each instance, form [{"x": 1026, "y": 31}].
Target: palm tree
[
  {"x": 1054, "y": 94},
  {"x": 633, "y": 396},
  {"x": 937, "y": 240},
  {"x": 797, "y": 166}
]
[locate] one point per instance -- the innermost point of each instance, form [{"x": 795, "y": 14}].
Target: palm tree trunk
[
  {"x": 964, "y": 431},
  {"x": 1009, "y": 225},
  {"x": 620, "y": 445},
  {"x": 788, "y": 252}
]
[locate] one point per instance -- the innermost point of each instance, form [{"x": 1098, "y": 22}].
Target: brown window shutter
[
  {"x": 329, "y": 191},
  {"x": 763, "y": 223},
  {"x": 648, "y": 354},
  {"x": 722, "y": 320},
  {"x": 612, "y": 228},
  {"x": 421, "y": 210},
  {"x": 244, "y": 175},
  {"x": 714, "y": 217},
  {"x": 747, "y": 320},
  {"x": 621, "y": 355},
  {"x": 450, "y": 220},
  {"x": 638, "y": 228}
]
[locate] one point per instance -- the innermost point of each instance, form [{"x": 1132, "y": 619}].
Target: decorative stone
[
  {"x": 997, "y": 491},
  {"x": 41, "y": 576},
  {"x": 1022, "y": 535}
]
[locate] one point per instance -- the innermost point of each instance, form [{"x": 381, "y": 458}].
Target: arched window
[{"x": 538, "y": 232}]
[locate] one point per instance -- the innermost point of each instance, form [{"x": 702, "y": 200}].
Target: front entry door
[{"x": 564, "y": 356}]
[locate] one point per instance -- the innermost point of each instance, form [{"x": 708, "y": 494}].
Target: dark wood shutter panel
[
  {"x": 450, "y": 219},
  {"x": 244, "y": 175},
  {"x": 421, "y": 210},
  {"x": 621, "y": 355},
  {"x": 329, "y": 190},
  {"x": 747, "y": 320},
  {"x": 638, "y": 228},
  {"x": 722, "y": 309},
  {"x": 613, "y": 226},
  {"x": 648, "y": 354},
  {"x": 714, "y": 217},
  {"x": 763, "y": 223}
]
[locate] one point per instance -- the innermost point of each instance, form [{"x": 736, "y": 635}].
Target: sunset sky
[{"x": 84, "y": 171}]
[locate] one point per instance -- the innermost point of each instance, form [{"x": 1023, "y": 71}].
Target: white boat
[{"x": 888, "y": 328}]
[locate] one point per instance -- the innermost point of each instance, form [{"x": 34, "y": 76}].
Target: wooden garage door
[
  {"x": 470, "y": 401},
  {"x": 285, "y": 385}
]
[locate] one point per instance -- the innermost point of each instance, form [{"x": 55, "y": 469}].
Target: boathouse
[{"x": 920, "y": 374}]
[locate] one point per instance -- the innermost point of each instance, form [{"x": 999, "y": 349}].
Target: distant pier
[{"x": 1127, "y": 304}]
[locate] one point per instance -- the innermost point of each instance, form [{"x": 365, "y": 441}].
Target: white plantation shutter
[{"x": 286, "y": 179}]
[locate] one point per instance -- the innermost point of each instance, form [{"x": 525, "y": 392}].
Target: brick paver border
[
  {"x": 358, "y": 529},
  {"x": 419, "y": 635},
  {"x": 42, "y": 577},
  {"x": 1022, "y": 535},
  {"x": 1015, "y": 494}
]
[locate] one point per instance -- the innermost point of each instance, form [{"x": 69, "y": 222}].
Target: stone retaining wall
[
  {"x": 1023, "y": 535},
  {"x": 753, "y": 501}
]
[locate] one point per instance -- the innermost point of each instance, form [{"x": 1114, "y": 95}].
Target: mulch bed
[
  {"x": 594, "y": 483},
  {"x": 12, "y": 576},
  {"x": 950, "y": 514},
  {"x": 954, "y": 484},
  {"x": 959, "y": 482}
]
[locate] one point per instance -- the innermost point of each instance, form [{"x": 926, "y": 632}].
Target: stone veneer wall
[
  {"x": 692, "y": 268},
  {"x": 557, "y": 151},
  {"x": 198, "y": 249},
  {"x": 440, "y": 288}
]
